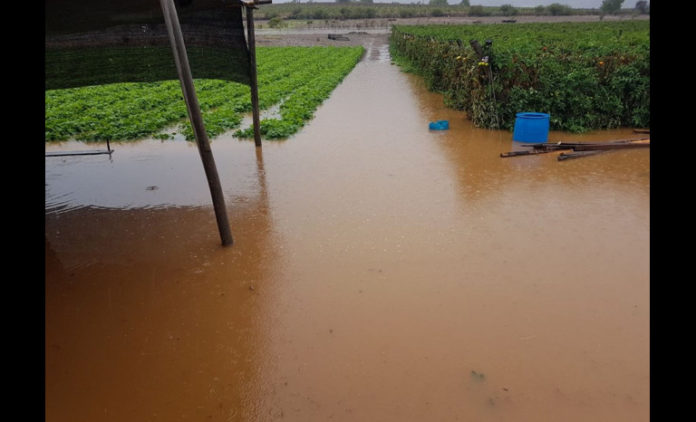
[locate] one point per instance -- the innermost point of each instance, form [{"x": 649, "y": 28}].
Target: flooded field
[{"x": 380, "y": 272}]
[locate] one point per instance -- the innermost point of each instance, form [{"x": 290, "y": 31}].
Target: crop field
[
  {"x": 296, "y": 80},
  {"x": 590, "y": 75}
]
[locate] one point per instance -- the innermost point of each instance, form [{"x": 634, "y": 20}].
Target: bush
[
  {"x": 478, "y": 11},
  {"x": 319, "y": 14},
  {"x": 276, "y": 22},
  {"x": 508, "y": 10},
  {"x": 556, "y": 9},
  {"x": 406, "y": 13},
  {"x": 587, "y": 76},
  {"x": 611, "y": 6},
  {"x": 643, "y": 7}
]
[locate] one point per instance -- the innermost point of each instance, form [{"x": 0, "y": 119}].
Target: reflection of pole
[
  {"x": 252, "y": 74},
  {"x": 260, "y": 170},
  {"x": 263, "y": 192},
  {"x": 176, "y": 38}
]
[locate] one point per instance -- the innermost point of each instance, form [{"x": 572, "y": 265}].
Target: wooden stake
[{"x": 176, "y": 39}]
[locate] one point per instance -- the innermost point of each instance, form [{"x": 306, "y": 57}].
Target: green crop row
[
  {"x": 297, "y": 79},
  {"x": 593, "y": 75}
]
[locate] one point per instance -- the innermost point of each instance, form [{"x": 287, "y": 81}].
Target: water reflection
[{"x": 147, "y": 317}]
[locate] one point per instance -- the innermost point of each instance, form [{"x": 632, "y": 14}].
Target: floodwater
[{"x": 380, "y": 272}]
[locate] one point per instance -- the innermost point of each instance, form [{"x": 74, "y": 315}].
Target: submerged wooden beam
[
  {"x": 561, "y": 144},
  {"x": 176, "y": 39},
  {"x": 604, "y": 147},
  {"x": 579, "y": 147},
  {"x": 531, "y": 152},
  {"x": 66, "y": 153},
  {"x": 578, "y": 154}
]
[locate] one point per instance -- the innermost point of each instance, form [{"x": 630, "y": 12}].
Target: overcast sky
[{"x": 578, "y": 4}]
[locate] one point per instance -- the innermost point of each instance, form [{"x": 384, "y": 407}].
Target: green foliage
[
  {"x": 556, "y": 9},
  {"x": 508, "y": 10},
  {"x": 437, "y": 13},
  {"x": 437, "y": 2},
  {"x": 611, "y": 6},
  {"x": 276, "y": 22},
  {"x": 643, "y": 6},
  {"x": 296, "y": 78},
  {"x": 592, "y": 75},
  {"x": 479, "y": 11},
  {"x": 464, "y": 3},
  {"x": 406, "y": 13}
]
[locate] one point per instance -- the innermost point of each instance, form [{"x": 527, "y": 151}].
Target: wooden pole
[
  {"x": 176, "y": 39},
  {"x": 251, "y": 41}
]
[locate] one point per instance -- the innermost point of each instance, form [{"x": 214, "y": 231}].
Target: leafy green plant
[
  {"x": 297, "y": 78},
  {"x": 478, "y": 10},
  {"x": 276, "y": 22},
  {"x": 508, "y": 10},
  {"x": 557, "y": 9},
  {"x": 585, "y": 75}
]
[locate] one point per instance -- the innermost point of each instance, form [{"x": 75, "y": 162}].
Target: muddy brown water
[{"x": 380, "y": 272}]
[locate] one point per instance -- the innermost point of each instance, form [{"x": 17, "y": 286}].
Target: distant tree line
[{"x": 365, "y": 9}]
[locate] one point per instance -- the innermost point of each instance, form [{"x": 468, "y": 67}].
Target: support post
[
  {"x": 176, "y": 39},
  {"x": 251, "y": 41}
]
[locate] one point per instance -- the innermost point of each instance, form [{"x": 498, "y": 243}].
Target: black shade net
[{"x": 96, "y": 42}]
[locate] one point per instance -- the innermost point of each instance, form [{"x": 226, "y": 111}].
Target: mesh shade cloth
[{"x": 96, "y": 42}]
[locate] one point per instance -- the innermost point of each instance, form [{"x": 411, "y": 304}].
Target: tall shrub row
[{"x": 587, "y": 76}]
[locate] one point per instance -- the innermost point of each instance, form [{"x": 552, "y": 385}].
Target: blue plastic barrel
[
  {"x": 531, "y": 128},
  {"x": 439, "y": 125}
]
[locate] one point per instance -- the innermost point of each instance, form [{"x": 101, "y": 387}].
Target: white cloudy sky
[{"x": 580, "y": 4}]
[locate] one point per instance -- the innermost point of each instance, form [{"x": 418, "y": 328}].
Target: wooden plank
[
  {"x": 66, "y": 153},
  {"x": 530, "y": 152},
  {"x": 596, "y": 147},
  {"x": 573, "y": 144},
  {"x": 578, "y": 154}
]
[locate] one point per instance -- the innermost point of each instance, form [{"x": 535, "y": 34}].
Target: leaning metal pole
[{"x": 176, "y": 38}]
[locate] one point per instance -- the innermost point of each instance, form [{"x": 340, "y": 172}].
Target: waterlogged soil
[{"x": 380, "y": 272}]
